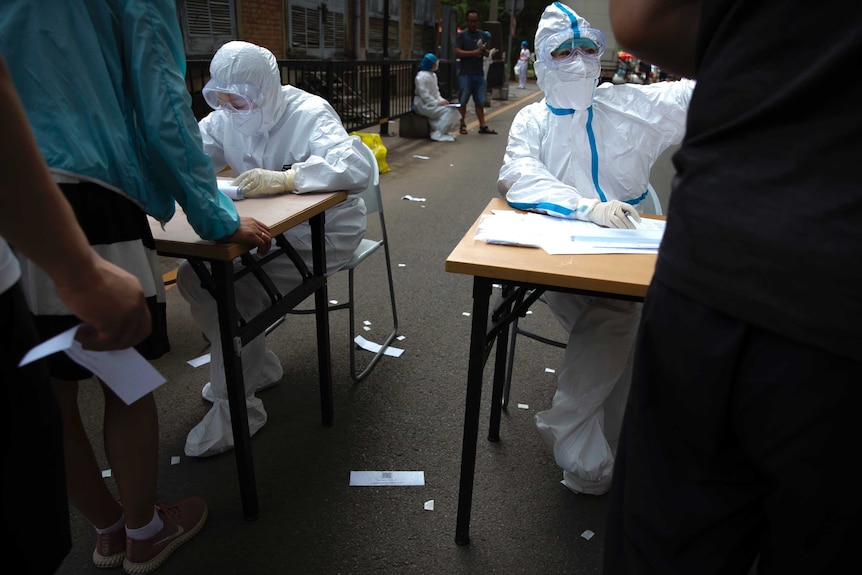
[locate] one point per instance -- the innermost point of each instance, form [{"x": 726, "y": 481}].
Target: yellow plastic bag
[{"x": 375, "y": 142}]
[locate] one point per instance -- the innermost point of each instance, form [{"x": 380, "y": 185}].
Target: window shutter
[{"x": 208, "y": 24}]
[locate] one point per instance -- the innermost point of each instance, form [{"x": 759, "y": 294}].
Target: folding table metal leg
[
  {"x": 321, "y": 304},
  {"x": 499, "y": 377},
  {"x": 475, "y": 369},
  {"x": 231, "y": 343}
]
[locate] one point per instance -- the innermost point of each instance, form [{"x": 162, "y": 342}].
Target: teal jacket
[{"x": 103, "y": 83}]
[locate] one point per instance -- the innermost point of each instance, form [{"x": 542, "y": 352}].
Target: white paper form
[
  {"x": 564, "y": 236},
  {"x": 383, "y": 478},
  {"x": 375, "y": 347},
  {"x": 601, "y": 240},
  {"x": 512, "y": 228},
  {"x": 125, "y": 371}
]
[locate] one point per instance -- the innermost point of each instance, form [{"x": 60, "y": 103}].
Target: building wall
[
  {"x": 262, "y": 22},
  {"x": 405, "y": 30}
]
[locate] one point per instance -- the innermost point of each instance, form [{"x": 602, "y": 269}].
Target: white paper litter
[
  {"x": 381, "y": 478},
  {"x": 199, "y": 361},
  {"x": 374, "y": 347}
]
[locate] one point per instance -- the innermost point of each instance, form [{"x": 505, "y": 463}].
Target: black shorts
[{"x": 120, "y": 232}]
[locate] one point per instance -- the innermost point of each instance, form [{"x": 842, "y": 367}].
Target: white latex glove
[
  {"x": 613, "y": 214},
  {"x": 260, "y": 182},
  {"x": 480, "y": 44}
]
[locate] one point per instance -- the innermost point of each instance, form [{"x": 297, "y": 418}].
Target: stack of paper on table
[{"x": 563, "y": 236}]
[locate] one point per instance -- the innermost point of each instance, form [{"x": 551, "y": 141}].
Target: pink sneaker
[
  {"x": 110, "y": 549},
  {"x": 182, "y": 522}
]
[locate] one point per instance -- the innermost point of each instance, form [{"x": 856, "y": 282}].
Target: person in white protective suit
[
  {"x": 428, "y": 102},
  {"x": 278, "y": 139},
  {"x": 521, "y": 67},
  {"x": 585, "y": 152}
]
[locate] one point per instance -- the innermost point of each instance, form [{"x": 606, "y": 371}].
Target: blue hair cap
[{"x": 428, "y": 61}]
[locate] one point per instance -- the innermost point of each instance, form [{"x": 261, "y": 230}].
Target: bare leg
[
  {"x": 132, "y": 448},
  {"x": 480, "y": 115},
  {"x": 463, "y": 111},
  {"x": 84, "y": 484}
]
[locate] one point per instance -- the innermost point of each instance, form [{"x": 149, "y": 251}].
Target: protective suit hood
[
  {"x": 239, "y": 64},
  {"x": 571, "y": 86}
]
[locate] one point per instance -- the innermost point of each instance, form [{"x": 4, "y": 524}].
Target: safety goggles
[
  {"x": 234, "y": 98},
  {"x": 563, "y": 47}
]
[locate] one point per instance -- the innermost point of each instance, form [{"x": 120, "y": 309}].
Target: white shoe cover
[
  {"x": 584, "y": 486},
  {"x": 268, "y": 375},
  {"x": 214, "y": 435}
]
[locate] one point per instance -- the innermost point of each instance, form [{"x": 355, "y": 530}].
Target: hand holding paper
[
  {"x": 110, "y": 301},
  {"x": 128, "y": 374},
  {"x": 614, "y": 214}
]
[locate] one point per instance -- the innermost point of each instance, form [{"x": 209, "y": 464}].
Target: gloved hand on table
[
  {"x": 260, "y": 182},
  {"x": 613, "y": 214}
]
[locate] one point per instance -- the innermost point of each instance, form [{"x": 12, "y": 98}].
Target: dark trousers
[
  {"x": 35, "y": 507},
  {"x": 737, "y": 443}
]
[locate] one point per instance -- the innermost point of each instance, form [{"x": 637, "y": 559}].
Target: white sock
[
  {"x": 148, "y": 530},
  {"x": 115, "y": 527}
]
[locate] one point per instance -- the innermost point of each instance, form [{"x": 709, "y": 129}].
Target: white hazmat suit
[
  {"x": 289, "y": 140},
  {"x": 428, "y": 102},
  {"x": 521, "y": 67},
  {"x": 585, "y": 152}
]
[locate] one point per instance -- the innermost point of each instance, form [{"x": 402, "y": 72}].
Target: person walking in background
[
  {"x": 102, "y": 84},
  {"x": 585, "y": 152},
  {"x": 523, "y": 62},
  {"x": 739, "y": 439},
  {"x": 278, "y": 139},
  {"x": 471, "y": 48},
  {"x": 108, "y": 300},
  {"x": 428, "y": 102}
]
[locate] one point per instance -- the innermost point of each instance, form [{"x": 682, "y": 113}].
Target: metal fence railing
[{"x": 365, "y": 94}]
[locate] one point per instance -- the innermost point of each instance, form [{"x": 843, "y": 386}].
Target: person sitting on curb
[{"x": 428, "y": 102}]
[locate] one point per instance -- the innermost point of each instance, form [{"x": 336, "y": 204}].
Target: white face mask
[
  {"x": 571, "y": 86},
  {"x": 248, "y": 123}
]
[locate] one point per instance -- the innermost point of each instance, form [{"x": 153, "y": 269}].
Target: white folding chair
[
  {"x": 651, "y": 205},
  {"x": 373, "y": 205},
  {"x": 367, "y": 247}
]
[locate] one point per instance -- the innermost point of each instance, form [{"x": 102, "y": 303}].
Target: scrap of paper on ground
[{"x": 376, "y": 478}]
